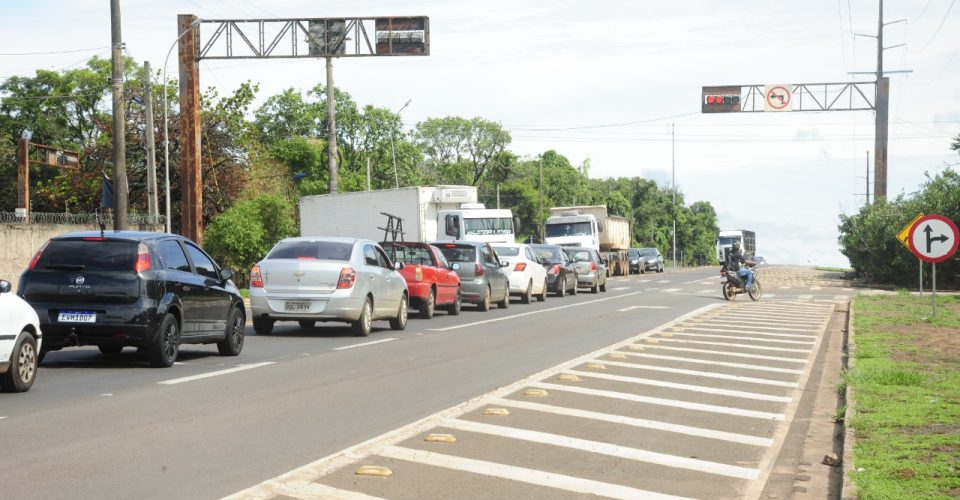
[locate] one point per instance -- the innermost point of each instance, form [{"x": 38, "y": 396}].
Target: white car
[
  {"x": 527, "y": 277},
  {"x": 19, "y": 341}
]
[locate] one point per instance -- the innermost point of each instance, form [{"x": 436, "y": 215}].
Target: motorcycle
[{"x": 732, "y": 285}]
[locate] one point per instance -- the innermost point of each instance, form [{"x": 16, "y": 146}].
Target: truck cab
[
  {"x": 474, "y": 222},
  {"x": 579, "y": 230}
]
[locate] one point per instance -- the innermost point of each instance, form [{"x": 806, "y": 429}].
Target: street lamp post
[
  {"x": 166, "y": 126},
  {"x": 393, "y": 154}
]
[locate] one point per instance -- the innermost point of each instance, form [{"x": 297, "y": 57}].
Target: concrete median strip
[
  {"x": 697, "y": 373},
  {"x": 737, "y": 337},
  {"x": 743, "y": 346},
  {"x": 684, "y": 387},
  {"x": 716, "y": 363},
  {"x": 729, "y": 353}
]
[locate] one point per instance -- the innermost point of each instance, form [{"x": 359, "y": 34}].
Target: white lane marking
[
  {"x": 683, "y": 387},
  {"x": 743, "y": 346},
  {"x": 353, "y": 346},
  {"x": 697, "y": 373},
  {"x": 755, "y": 318},
  {"x": 794, "y": 307},
  {"x": 671, "y": 290},
  {"x": 521, "y": 474},
  {"x": 737, "y": 337},
  {"x": 804, "y": 297},
  {"x": 847, "y": 289},
  {"x": 706, "y": 283},
  {"x": 625, "y": 309},
  {"x": 107, "y": 394},
  {"x": 784, "y": 287},
  {"x": 725, "y": 353},
  {"x": 619, "y": 288},
  {"x": 191, "y": 378},
  {"x": 664, "y": 281},
  {"x": 1, "y": 418},
  {"x": 673, "y": 403},
  {"x": 841, "y": 297},
  {"x": 751, "y": 332},
  {"x": 706, "y": 292},
  {"x": 816, "y": 288},
  {"x": 310, "y": 489},
  {"x": 769, "y": 295},
  {"x": 753, "y": 325},
  {"x": 539, "y": 311},
  {"x": 636, "y": 422},
  {"x": 606, "y": 449},
  {"x": 713, "y": 362}
]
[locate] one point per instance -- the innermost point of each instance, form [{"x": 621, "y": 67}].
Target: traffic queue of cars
[{"x": 156, "y": 291}]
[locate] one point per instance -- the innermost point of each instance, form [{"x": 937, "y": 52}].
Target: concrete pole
[
  {"x": 151, "y": 146},
  {"x": 120, "y": 198},
  {"x": 880, "y": 133},
  {"x": 673, "y": 175},
  {"x": 332, "y": 128},
  {"x": 540, "y": 212}
]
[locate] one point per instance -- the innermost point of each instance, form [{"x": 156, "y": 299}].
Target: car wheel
[
  {"x": 428, "y": 306},
  {"x": 661, "y": 269},
  {"x": 484, "y": 304},
  {"x": 400, "y": 322},
  {"x": 232, "y": 342},
  {"x": 23, "y": 365},
  {"x": 110, "y": 348},
  {"x": 362, "y": 326},
  {"x": 596, "y": 286},
  {"x": 543, "y": 292},
  {"x": 603, "y": 286},
  {"x": 307, "y": 323},
  {"x": 454, "y": 309},
  {"x": 573, "y": 291},
  {"x": 163, "y": 352},
  {"x": 262, "y": 326},
  {"x": 528, "y": 295},
  {"x": 562, "y": 289},
  {"x": 505, "y": 303}
]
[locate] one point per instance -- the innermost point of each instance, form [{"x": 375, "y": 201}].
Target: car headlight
[{"x": 652, "y": 261}]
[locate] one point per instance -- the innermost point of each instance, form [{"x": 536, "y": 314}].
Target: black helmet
[{"x": 736, "y": 246}]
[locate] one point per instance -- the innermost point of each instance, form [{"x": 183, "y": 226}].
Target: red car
[{"x": 431, "y": 281}]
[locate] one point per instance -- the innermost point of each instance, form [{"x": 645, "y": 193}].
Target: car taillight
[
  {"x": 555, "y": 269},
  {"x": 478, "y": 270},
  {"x": 593, "y": 266},
  {"x": 256, "y": 279},
  {"x": 520, "y": 266},
  {"x": 418, "y": 274},
  {"x": 143, "y": 258},
  {"x": 36, "y": 257},
  {"x": 347, "y": 278}
]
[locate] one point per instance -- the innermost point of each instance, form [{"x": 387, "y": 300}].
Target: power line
[
  {"x": 942, "y": 21},
  {"x": 51, "y": 52},
  {"x": 922, "y": 12}
]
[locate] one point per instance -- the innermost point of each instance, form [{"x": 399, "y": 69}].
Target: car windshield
[
  {"x": 568, "y": 229},
  {"x": 312, "y": 250},
  {"x": 408, "y": 254},
  {"x": 459, "y": 253},
  {"x": 579, "y": 255},
  {"x": 633, "y": 252},
  {"x": 488, "y": 225},
  {"x": 89, "y": 255},
  {"x": 507, "y": 251},
  {"x": 552, "y": 254},
  {"x": 728, "y": 240},
  {"x": 648, "y": 252}
]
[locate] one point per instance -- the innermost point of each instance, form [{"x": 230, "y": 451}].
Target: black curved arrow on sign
[{"x": 931, "y": 239}]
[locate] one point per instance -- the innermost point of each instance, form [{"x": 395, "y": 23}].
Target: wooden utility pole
[
  {"x": 191, "y": 189},
  {"x": 151, "y": 146},
  {"x": 331, "y": 128},
  {"x": 120, "y": 190},
  {"x": 23, "y": 175}
]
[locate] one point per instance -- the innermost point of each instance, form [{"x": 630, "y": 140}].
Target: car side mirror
[
  {"x": 226, "y": 274},
  {"x": 4, "y": 286},
  {"x": 504, "y": 263},
  {"x": 398, "y": 265}
]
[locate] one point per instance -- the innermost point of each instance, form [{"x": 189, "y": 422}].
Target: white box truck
[
  {"x": 592, "y": 227},
  {"x": 428, "y": 213},
  {"x": 746, "y": 238}
]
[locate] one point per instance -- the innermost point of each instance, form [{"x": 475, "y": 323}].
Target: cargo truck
[
  {"x": 592, "y": 227},
  {"x": 746, "y": 239},
  {"x": 427, "y": 213}
]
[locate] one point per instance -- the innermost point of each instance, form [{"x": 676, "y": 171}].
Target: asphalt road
[{"x": 96, "y": 426}]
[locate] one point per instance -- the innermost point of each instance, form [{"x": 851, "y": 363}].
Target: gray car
[
  {"x": 481, "y": 276},
  {"x": 317, "y": 278},
  {"x": 645, "y": 259},
  {"x": 591, "y": 268}
]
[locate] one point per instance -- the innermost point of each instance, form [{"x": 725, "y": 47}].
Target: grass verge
[{"x": 906, "y": 385}]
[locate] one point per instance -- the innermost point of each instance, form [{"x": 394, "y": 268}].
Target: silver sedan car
[{"x": 317, "y": 278}]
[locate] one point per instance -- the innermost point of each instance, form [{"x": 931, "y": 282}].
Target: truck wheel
[
  {"x": 165, "y": 348},
  {"x": 23, "y": 365},
  {"x": 428, "y": 306},
  {"x": 232, "y": 342},
  {"x": 362, "y": 326},
  {"x": 528, "y": 295}
]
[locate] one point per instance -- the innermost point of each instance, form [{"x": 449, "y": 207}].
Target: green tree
[{"x": 462, "y": 151}]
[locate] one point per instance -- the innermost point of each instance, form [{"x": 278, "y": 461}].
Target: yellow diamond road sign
[{"x": 904, "y": 234}]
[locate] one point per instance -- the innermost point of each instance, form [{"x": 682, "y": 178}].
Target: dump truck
[
  {"x": 419, "y": 213},
  {"x": 592, "y": 227}
]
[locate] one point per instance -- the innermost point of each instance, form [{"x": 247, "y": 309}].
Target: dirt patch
[
  {"x": 947, "y": 448},
  {"x": 930, "y": 429},
  {"x": 905, "y": 474},
  {"x": 952, "y": 493},
  {"x": 935, "y": 344}
]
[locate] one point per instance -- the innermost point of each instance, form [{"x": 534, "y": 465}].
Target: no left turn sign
[
  {"x": 778, "y": 98},
  {"x": 934, "y": 238}
]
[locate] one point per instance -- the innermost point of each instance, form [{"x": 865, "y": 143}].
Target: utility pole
[
  {"x": 868, "y": 177},
  {"x": 673, "y": 175},
  {"x": 882, "y": 103},
  {"x": 331, "y": 128},
  {"x": 151, "y": 146},
  {"x": 540, "y": 212},
  {"x": 119, "y": 137}
]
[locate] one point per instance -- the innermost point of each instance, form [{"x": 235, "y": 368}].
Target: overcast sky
[{"x": 604, "y": 80}]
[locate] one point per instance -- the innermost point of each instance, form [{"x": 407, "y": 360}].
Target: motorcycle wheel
[
  {"x": 728, "y": 292},
  {"x": 756, "y": 291}
]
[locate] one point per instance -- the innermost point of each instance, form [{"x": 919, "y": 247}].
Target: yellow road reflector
[
  {"x": 440, "y": 438},
  {"x": 652, "y": 341},
  {"x": 536, "y": 393},
  {"x": 636, "y": 348},
  {"x": 569, "y": 377},
  {"x": 596, "y": 366},
  {"x": 374, "y": 470},
  {"x": 617, "y": 355},
  {"x": 497, "y": 412},
  {"x": 667, "y": 334}
]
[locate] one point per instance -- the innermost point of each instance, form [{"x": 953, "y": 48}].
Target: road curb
[{"x": 849, "y": 490}]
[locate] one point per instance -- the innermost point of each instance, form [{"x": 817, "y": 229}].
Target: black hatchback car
[
  {"x": 153, "y": 291},
  {"x": 561, "y": 270}
]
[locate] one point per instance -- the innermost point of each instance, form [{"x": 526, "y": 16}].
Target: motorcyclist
[{"x": 734, "y": 259}]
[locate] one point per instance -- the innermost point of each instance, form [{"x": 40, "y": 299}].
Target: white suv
[{"x": 19, "y": 341}]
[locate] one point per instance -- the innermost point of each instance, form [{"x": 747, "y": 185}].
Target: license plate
[
  {"x": 77, "y": 317},
  {"x": 296, "y": 306}
]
